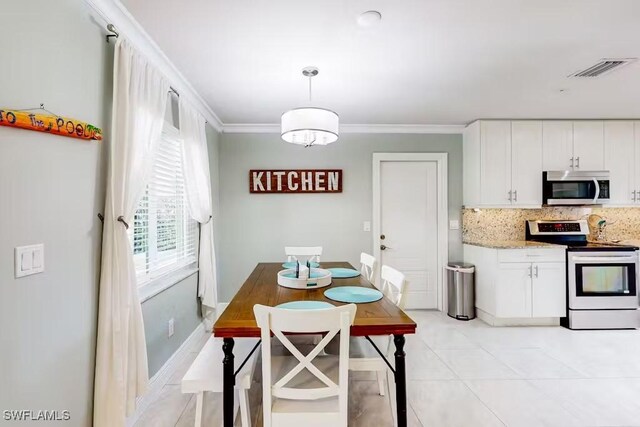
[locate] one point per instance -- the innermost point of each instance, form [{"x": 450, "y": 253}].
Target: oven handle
[
  {"x": 595, "y": 199},
  {"x": 603, "y": 258}
]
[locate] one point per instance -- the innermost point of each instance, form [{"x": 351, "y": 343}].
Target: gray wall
[
  {"x": 180, "y": 301},
  {"x": 51, "y": 189},
  {"x": 258, "y": 226}
]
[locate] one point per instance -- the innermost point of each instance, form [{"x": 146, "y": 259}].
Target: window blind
[{"x": 164, "y": 236}]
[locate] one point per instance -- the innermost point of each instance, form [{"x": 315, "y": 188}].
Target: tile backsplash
[{"x": 509, "y": 224}]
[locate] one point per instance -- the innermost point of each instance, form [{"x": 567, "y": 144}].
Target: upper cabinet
[
  {"x": 588, "y": 145},
  {"x": 621, "y": 155},
  {"x": 526, "y": 162},
  {"x": 503, "y": 163},
  {"x": 557, "y": 145},
  {"x": 573, "y": 145},
  {"x": 495, "y": 162},
  {"x": 504, "y": 160}
]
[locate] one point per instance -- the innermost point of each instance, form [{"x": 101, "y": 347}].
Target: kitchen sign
[{"x": 295, "y": 181}]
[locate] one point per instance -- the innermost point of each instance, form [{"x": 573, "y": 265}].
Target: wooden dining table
[{"x": 382, "y": 317}]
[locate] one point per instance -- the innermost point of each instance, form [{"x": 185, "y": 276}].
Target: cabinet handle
[
  {"x": 515, "y": 195},
  {"x": 510, "y": 199},
  {"x": 571, "y": 163},
  {"x": 634, "y": 195},
  {"x": 530, "y": 271},
  {"x": 578, "y": 162},
  {"x": 536, "y": 267}
]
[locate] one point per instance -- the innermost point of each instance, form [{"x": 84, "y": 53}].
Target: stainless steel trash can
[{"x": 461, "y": 292}]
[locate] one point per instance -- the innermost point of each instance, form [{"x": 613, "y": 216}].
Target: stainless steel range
[{"x": 602, "y": 278}]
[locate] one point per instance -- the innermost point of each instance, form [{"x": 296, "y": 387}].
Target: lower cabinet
[
  {"x": 519, "y": 283},
  {"x": 549, "y": 290}
]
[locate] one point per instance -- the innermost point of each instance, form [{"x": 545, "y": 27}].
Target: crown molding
[
  {"x": 349, "y": 128},
  {"x": 114, "y": 12}
]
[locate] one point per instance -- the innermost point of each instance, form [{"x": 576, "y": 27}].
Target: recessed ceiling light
[{"x": 369, "y": 18}]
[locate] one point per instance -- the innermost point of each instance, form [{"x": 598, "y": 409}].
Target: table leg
[
  {"x": 401, "y": 381},
  {"x": 228, "y": 382}
]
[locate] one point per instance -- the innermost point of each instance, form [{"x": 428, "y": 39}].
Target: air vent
[{"x": 603, "y": 67}]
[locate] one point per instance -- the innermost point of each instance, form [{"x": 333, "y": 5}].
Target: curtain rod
[{"x": 113, "y": 32}]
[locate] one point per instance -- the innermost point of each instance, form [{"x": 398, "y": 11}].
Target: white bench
[{"x": 205, "y": 374}]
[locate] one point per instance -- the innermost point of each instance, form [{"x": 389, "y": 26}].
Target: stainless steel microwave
[{"x": 575, "y": 188}]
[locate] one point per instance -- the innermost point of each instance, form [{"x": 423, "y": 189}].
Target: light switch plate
[
  {"x": 454, "y": 224},
  {"x": 29, "y": 260},
  {"x": 171, "y": 327},
  {"x": 366, "y": 226}
]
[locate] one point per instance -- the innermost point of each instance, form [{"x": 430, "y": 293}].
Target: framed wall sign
[{"x": 295, "y": 181}]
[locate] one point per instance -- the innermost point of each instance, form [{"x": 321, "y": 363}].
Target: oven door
[{"x": 602, "y": 280}]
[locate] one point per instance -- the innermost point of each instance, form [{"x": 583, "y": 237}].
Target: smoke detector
[{"x": 604, "y": 66}]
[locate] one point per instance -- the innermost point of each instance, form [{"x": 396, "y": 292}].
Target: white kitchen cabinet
[
  {"x": 526, "y": 162},
  {"x": 557, "y": 145},
  {"x": 588, "y": 145},
  {"x": 513, "y": 285},
  {"x": 513, "y": 290},
  {"x": 495, "y": 162},
  {"x": 620, "y": 149},
  {"x": 637, "y": 162},
  {"x": 548, "y": 290},
  {"x": 502, "y": 163}
]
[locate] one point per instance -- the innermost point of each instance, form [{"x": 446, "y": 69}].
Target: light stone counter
[{"x": 512, "y": 244}]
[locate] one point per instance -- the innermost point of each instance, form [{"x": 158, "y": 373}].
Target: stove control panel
[{"x": 558, "y": 227}]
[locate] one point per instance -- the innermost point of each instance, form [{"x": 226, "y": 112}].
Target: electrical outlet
[
  {"x": 454, "y": 224},
  {"x": 171, "y": 328}
]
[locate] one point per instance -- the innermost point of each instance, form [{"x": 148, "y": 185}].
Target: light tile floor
[{"x": 471, "y": 374}]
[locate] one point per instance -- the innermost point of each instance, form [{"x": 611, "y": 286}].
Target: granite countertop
[{"x": 512, "y": 244}]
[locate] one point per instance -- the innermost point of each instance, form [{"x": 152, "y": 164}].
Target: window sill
[{"x": 161, "y": 284}]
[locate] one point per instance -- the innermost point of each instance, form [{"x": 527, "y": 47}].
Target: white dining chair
[
  {"x": 205, "y": 374},
  {"x": 368, "y": 266},
  {"x": 362, "y": 356},
  {"x": 305, "y": 390},
  {"x": 303, "y": 253}
]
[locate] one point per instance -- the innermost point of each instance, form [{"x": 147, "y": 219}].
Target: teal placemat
[
  {"x": 293, "y": 264},
  {"x": 305, "y": 305},
  {"x": 355, "y": 294},
  {"x": 343, "y": 273}
]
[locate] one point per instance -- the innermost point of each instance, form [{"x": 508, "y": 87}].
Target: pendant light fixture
[{"x": 310, "y": 125}]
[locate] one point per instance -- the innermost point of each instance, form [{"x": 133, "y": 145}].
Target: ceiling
[{"x": 427, "y": 62}]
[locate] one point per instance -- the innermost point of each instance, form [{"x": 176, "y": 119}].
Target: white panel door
[
  {"x": 588, "y": 145},
  {"x": 526, "y": 162},
  {"x": 513, "y": 290},
  {"x": 557, "y": 145},
  {"x": 409, "y": 224},
  {"x": 619, "y": 155},
  {"x": 549, "y": 290},
  {"x": 495, "y": 162}
]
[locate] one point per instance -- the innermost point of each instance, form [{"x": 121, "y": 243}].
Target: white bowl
[{"x": 311, "y": 283}]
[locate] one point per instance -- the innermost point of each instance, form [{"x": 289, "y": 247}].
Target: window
[{"x": 164, "y": 236}]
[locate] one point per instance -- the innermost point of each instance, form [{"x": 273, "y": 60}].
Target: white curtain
[
  {"x": 195, "y": 161},
  {"x": 139, "y": 103}
]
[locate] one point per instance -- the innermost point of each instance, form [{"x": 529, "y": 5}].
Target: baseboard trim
[
  {"x": 516, "y": 321},
  {"x": 162, "y": 376}
]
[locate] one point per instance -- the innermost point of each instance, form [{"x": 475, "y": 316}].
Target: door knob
[{"x": 383, "y": 247}]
